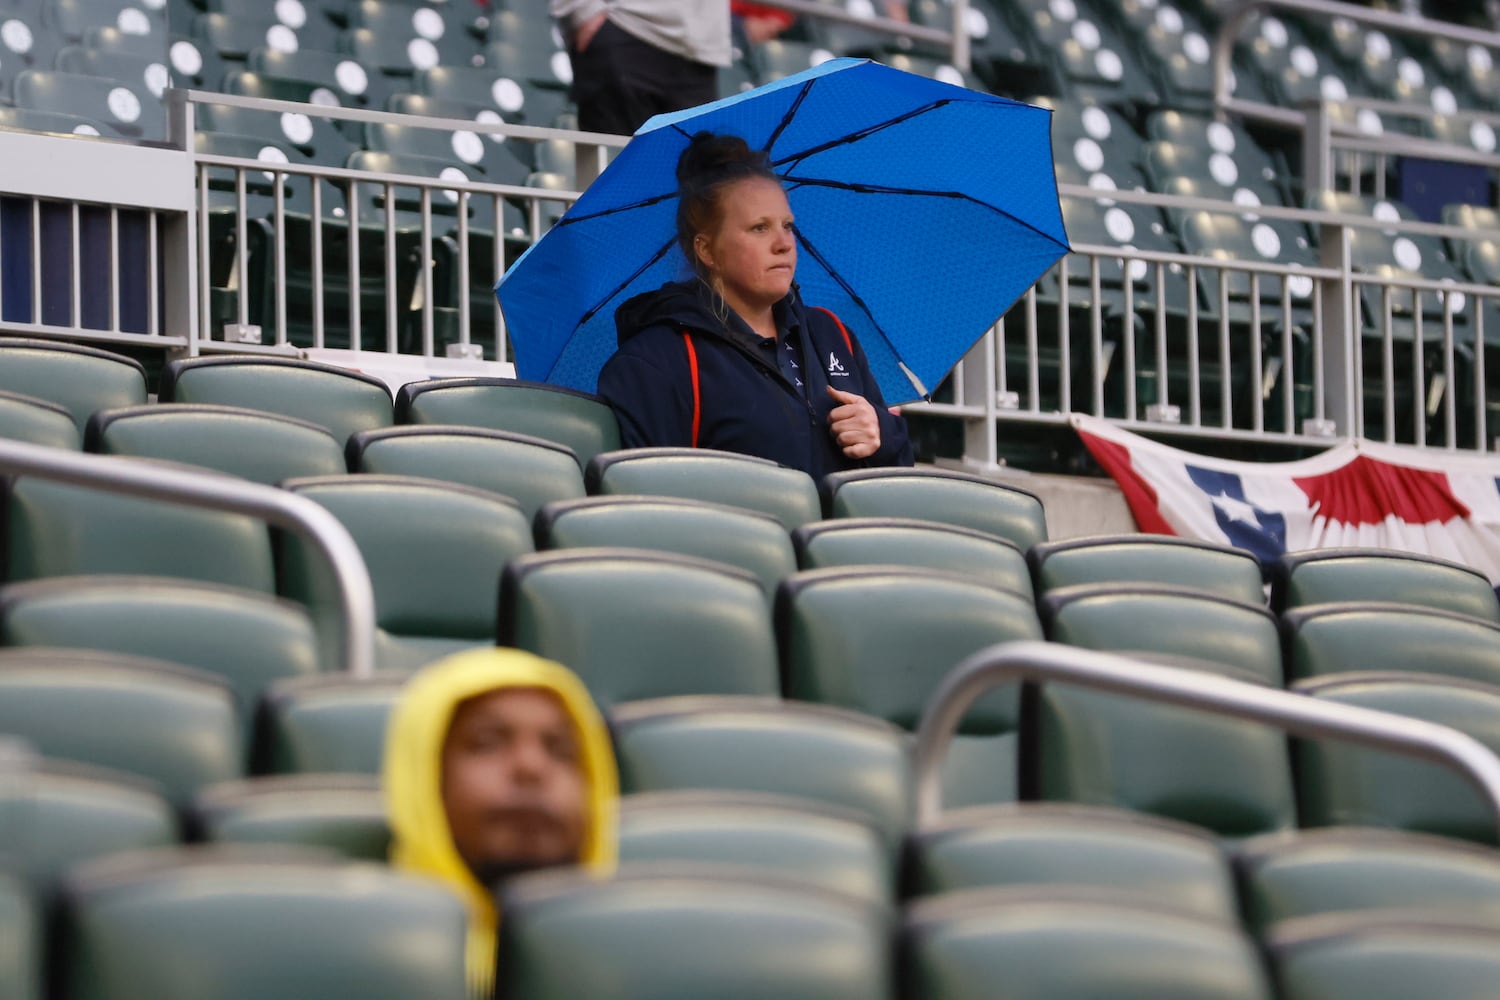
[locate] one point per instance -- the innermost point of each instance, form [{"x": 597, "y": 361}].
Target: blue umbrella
[{"x": 924, "y": 210}]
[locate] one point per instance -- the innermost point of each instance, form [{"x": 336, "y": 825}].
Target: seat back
[
  {"x": 1385, "y": 957},
  {"x": 637, "y": 624},
  {"x": 235, "y": 928},
  {"x": 341, "y": 400},
  {"x": 323, "y": 724},
  {"x": 53, "y": 529},
  {"x": 814, "y": 844},
  {"x": 1170, "y": 621},
  {"x": 678, "y": 937},
  {"x": 82, "y": 379},
  {"x": 958, "y": 947},
  {"x": 756, "y": 543},
  {"x": 56, "y": 814},
  {"x": 1231, "y": 776},
  {"x": 703, "y": 474},
  {"x": 767, "y": 745},
  {"x": 1325, "y": 639},
  {"x": 1220, "y": 570},
  {"x": 947, "y": 497},
  {"x": 256, "y": 446},
  {"x": 169, "y": 725},
  {"x": 1045, "y": 844},
  {"x": 126, "y": 108},
  {"x": 1319, "y": 576},
  {"x": 36, "y": 421},
  {"x": 581, "y": 421},
  {"x": 1342, "y": 869},
  {"x": 344, "y": 813},
  {"x": 1339, "y": 783},
  {"x": 881, "y": 639},
  {"x": 434, "y": 551},
  {"x": 528, "y": 470},
  {"x": 857, "y": 541},
  {"x": 21, "y": 936},
  {"x": 246, "y": 638}
]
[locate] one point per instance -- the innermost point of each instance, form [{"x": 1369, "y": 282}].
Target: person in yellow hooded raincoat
[{"x": 497, "y": 762}]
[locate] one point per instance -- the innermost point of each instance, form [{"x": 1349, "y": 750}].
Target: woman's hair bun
[{"x": 710, "y": 157}]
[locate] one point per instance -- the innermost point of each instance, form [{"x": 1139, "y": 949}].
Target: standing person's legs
[{"x": 619, "y": 81}]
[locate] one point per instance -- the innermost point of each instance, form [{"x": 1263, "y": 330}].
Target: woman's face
[{"x": 754, "y": 252}]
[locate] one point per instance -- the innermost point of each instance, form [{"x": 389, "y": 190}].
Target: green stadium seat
[
  {"x": 492, "y": 88},
  {"x": 537, "y": 65},
  {"x": 194, "y": 63},
  {"x": 314, "y": 136},
  {"x": 675, "y": 937},
  {"x": 234, "y": 35},
  {"x": 81, "y": 379},
  {"x": 434, "y": 550},
  {"x": 338, "y": 399},
  {"x": 766, "y": 745},
  {"x": 244, "y": 637},
  {"x": 56, "y": 814},
  {"x": 58, "y": 530},
  {"x": 817, "y": 845},
  {"x": 49, "y": 121},
  {"x": 637, "y": 624},
  {"x": 127, "y": 109},
  {"x": 529, "y": 470},
  {"x": 1005, "y": 55},
  {"x": 332, "y": 723},
  {"x": 344, "y": 813},
  {"x": 496, "y": 162},
  {"x": 257, "y": 446},
  {"x": 894, "y": 541},
  {"x": 236, "y": 927},
  {"x": 1095, "y": 59},
  {"x": 1328, "y": 639},
  {"x": 581, "y": 421},
  {"x": 755, "y": 543},
  {"x": 1342, "y": 784},
  {"x": 880, "y": 640},
  {"x": 934, "y": 495},
  {"x": 146, "y": 72},
  {"x": 1219, "y": 570},
  {"x": 24, "y": 43},
  {"x": 1230, "y": 776},
  {"x": 72, "y": 18},
  {"x": 961, "y": 945},
  {"x": 22, "y": 932},
  {"x": 703, "y": 474},
  {"x": 1385, "y": 957},
  {"x": 1045, "y": 844},
  {"x": 1319, "y": 576},
  {"x": 36, "y": 421},
  {"x": 780, "y": 57},
  {"x": 314, "y": 75},
  {"x": 170, "y": 725},
  {"x": 1342, "y": 869},
  {"x": 1164, "y": 620},
  {"x": 400, "y": 54}
]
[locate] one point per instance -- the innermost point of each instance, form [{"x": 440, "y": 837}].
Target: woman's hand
[{"x": 854, "y": 424}]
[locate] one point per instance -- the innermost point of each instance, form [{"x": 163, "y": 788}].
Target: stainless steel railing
[
  {"x": 356, "y": 597},
  {"x": 1296, "y": 714}
]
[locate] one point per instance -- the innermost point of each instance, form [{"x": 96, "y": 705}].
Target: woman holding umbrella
[{"x": 732, "y": 358}]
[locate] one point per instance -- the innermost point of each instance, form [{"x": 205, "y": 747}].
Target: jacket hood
[
  {"x": 422, "y": 842},
  {"x": 681, "y": 304}
]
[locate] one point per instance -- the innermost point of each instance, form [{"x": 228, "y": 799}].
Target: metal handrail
[
  {"x": 1294, "y": 713},
  {"x": 957, "y": 39},
  {"x": 356, "y": 640},
  {"x": 1235, "y": 20}
]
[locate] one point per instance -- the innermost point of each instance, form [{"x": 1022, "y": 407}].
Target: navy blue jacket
[{"x": 747, "y": 404}]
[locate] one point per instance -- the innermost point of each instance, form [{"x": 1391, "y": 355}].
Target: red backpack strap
[
  {"x": 848, "y": 341},
  {"x": 692, "y": 356}
]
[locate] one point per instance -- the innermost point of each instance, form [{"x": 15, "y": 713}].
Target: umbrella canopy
[{"x": 923, "y": 210}]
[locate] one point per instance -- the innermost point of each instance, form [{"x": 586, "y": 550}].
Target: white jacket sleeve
[{"x": 572, "y": 13}]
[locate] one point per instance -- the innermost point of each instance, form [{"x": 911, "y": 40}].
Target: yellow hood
[{"x": 412, "y": 781}]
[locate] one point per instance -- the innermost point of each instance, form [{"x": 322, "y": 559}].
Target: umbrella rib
[
  {"x": 863, "y": 133},
  {"x": 655, "y": 199},
  {"x": 915, "y": 192},
  {"x": 853, "y": 295},
  {"x": 786, "y": 119},
  {"x": 624, "y": 284}
]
